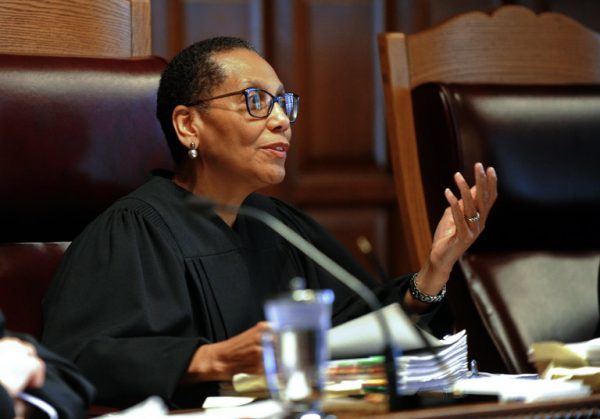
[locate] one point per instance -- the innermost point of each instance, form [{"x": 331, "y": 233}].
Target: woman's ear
[{"x": 186, "y": 123}]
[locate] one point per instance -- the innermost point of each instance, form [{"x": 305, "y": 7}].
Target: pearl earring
[{"x": 192, "y": 152}]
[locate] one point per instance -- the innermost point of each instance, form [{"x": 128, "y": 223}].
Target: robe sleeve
[
  {"x": 6, "y": 404},
  {"x": 120, "y": 309}
]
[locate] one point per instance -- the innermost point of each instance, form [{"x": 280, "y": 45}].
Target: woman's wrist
[
  {"x": 202, "y": 367},
  {"x": 423, "y": 297},
  {"x": 425, "y": 286},
  {"x": 431, "y": 278}
]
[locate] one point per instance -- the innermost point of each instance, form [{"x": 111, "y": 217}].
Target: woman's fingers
[
  {"x": 485, "y": 191},
  {"x": 477, "y": 200},
  {"x": 457, "y": 214},
  {"x": 492, "y": 187},
  {"x": 470, "y": 210},
  {"x": 481, "y": 187}
]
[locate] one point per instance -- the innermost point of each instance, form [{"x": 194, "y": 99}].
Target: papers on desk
[
  {"x": 588, "y": 350},
  {"x": 363, "y": 336},
  {"x": 514, "y": 388},
  {"x": 353, "y": 343},
  {"x": 216, "y": 407},
  {"x": 572, "y": 361},
  {"x": 361, "y": 369},
  {"x": 263, "y": 409},
  {"x": 417, "y": 371},
  {"x": 426, "y": 371},
  {"x": 152, "y": 407}
]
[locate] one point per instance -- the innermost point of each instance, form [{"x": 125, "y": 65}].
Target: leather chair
[
  {"x": 75, "y": 135},
  {"x": 533, "y": 273},
  {"x": 521, "y": 92}
]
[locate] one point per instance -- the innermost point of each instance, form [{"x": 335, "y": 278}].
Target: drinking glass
[{"x": 295, "y": 350}]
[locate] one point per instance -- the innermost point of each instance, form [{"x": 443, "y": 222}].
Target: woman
[{"x": 156, "y": 298}]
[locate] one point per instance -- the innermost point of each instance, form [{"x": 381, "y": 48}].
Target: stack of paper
[
  {"x": 426, "y": 371},
  {"x": 427, "y": 363},
  {"x": 571, "y": 361},
  {"x": 588, "y": 350},
  {"x": 357, "y": 366}
]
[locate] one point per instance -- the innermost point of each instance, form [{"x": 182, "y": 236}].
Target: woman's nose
[{"x": 279, "y": 117}]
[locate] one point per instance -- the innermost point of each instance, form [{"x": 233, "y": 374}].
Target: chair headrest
[
  {"x": 75, "y": 134},
  {"x": 544, "y": 142}
]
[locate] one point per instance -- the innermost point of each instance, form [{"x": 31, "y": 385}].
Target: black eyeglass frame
[{"x": 246, "y": 92}]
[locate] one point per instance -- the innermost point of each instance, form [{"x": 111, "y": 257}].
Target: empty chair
[
  {"x": 521, "y": 92},
  {"x": 75, "y": 134}
]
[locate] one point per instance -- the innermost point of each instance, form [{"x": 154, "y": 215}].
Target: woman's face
[{"x": 237, "y": 150}]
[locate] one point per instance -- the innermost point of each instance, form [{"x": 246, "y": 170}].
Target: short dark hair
[{"x": 191, "y": 74}]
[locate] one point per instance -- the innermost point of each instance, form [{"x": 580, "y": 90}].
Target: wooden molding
[{"x": 107, "y": 28}]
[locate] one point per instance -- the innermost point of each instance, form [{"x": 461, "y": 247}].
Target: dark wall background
[{"x": 326, "y": 51}]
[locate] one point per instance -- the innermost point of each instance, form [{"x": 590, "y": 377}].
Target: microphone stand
[
  {"x": 365, "y": 247},
  {"x": 396, "y": 401}
]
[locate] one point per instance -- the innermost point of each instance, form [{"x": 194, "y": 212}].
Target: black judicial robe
[{"x": 151, "y": 280}]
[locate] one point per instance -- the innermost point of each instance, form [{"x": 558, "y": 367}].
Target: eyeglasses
[{"x": 259, "y": 102}]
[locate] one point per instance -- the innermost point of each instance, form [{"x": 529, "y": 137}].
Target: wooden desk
[{"x": 581, "y": 407}]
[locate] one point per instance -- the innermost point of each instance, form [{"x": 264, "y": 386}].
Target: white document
[
  {"x": 509, "y": 388},
  {"x": 588, "y": 350},
  {"x": 363, "y": 336}
]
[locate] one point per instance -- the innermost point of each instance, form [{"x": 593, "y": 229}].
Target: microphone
[{"x": 396, "y": 401}]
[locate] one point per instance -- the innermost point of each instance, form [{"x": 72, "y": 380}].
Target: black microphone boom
[{"x": 325, "y": 262}]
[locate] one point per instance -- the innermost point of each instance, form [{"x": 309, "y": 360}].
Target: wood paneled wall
[{"x": 325, "y": 50}]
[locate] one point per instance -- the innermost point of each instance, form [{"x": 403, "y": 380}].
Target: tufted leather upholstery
[
  {"x": 75, "y": 134},
  {"x": 533, "y": 273}
]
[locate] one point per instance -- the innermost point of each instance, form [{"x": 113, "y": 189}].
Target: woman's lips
[{"x": 278, "y": 149}]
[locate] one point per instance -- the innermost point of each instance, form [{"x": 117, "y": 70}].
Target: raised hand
[
  {"x": 461, "y": 224},
  {"x": 464, "y": 220}
]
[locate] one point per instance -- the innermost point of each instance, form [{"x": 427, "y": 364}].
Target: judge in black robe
[
  {"x": 154, "y": 298},
  {"x": 150, "y": 280}
]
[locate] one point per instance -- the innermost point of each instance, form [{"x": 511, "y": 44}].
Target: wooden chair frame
[{"x": 512, "y": 45}]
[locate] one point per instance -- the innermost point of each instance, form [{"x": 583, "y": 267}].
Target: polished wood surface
[
  {"x": 511, "y": 45},
  {"x": 558, "y": 408},
  {"x": 107, "y": 28}
]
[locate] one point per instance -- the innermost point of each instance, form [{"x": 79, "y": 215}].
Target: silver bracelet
[{"x": 421, "y": 296}]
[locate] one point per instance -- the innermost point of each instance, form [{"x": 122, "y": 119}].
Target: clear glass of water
[{"x": 295, "y": 350}]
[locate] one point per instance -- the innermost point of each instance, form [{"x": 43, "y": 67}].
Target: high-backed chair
[
  {"x": 75, "y": 135},
  {"x": 521, "y": 92}
]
